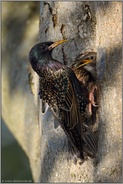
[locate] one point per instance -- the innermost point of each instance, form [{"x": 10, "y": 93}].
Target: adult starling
[
  {"x": 85, "y": 69},
  {"x": 63, "y": 92}
]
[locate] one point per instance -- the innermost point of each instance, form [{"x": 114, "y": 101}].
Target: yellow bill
[
  {"x": 83, "y": 62},
  {"x": 55, "y": 44}
]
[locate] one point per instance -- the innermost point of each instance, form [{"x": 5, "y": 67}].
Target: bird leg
[{"x": 91, "y": 98}]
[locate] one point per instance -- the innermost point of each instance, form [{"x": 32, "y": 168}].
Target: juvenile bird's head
[
  {"x": 85, "y": 59},
  {"x": 41, "y": 52}
]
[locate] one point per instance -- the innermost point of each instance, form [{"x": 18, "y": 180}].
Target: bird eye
[
  {"x": 91, "y": 57},
  {"x": 43, "y": 47}
]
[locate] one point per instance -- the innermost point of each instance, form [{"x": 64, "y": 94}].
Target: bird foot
[
  {"x": 72, "y": 156},
  {"x": 91, "y": 98},
  {"x": 95, "y": 105},
  {"x": 76, "y": 160}
]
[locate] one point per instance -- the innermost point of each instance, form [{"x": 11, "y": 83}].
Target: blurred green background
[{"x": 15, "y": 164}]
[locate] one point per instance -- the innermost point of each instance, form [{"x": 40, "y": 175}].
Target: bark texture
[
  {"x": 88, "y": 26},
  {"x": 109, "y": 67}
]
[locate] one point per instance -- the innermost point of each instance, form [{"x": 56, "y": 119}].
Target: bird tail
[{"x": 90, "y": 141}]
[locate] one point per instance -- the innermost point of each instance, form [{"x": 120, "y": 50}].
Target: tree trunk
[{"x": 88, "y": 26}]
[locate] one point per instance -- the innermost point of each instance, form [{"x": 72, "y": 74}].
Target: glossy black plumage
[{"x": 64, "y": 94}]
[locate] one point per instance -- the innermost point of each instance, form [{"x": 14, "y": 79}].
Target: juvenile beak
[
  {"x": 82, "y": 63},
  {"x": 55, "y": 44}
]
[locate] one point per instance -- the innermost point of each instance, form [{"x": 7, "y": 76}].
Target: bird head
[
  {"x": 41, "y": 52},
  {"x": 84, "y": 59}
]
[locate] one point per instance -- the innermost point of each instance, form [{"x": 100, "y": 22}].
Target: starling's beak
[
  {"x": 82, "y": 63},
  {"x": 55, "y": 44}
]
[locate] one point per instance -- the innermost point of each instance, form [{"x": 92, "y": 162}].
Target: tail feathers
[{"x": 90, "y": 142}]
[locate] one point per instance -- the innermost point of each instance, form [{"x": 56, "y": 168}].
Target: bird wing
[
  {"x": 68, "y": 104},
  {"x": 67, "y": 108},
  {"x": 73, "y": 121}
]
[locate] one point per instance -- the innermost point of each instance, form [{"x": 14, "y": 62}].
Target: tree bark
[{"x": 88, "y": 26}]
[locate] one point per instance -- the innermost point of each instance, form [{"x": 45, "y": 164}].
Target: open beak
[
  {"x": 55, "y": 44},
  {"x": 82, "y": 62}
]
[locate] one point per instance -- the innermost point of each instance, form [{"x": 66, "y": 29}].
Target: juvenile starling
[
  {"x": 63, "y": 92},
  {"x": 85, "y": 69}
]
